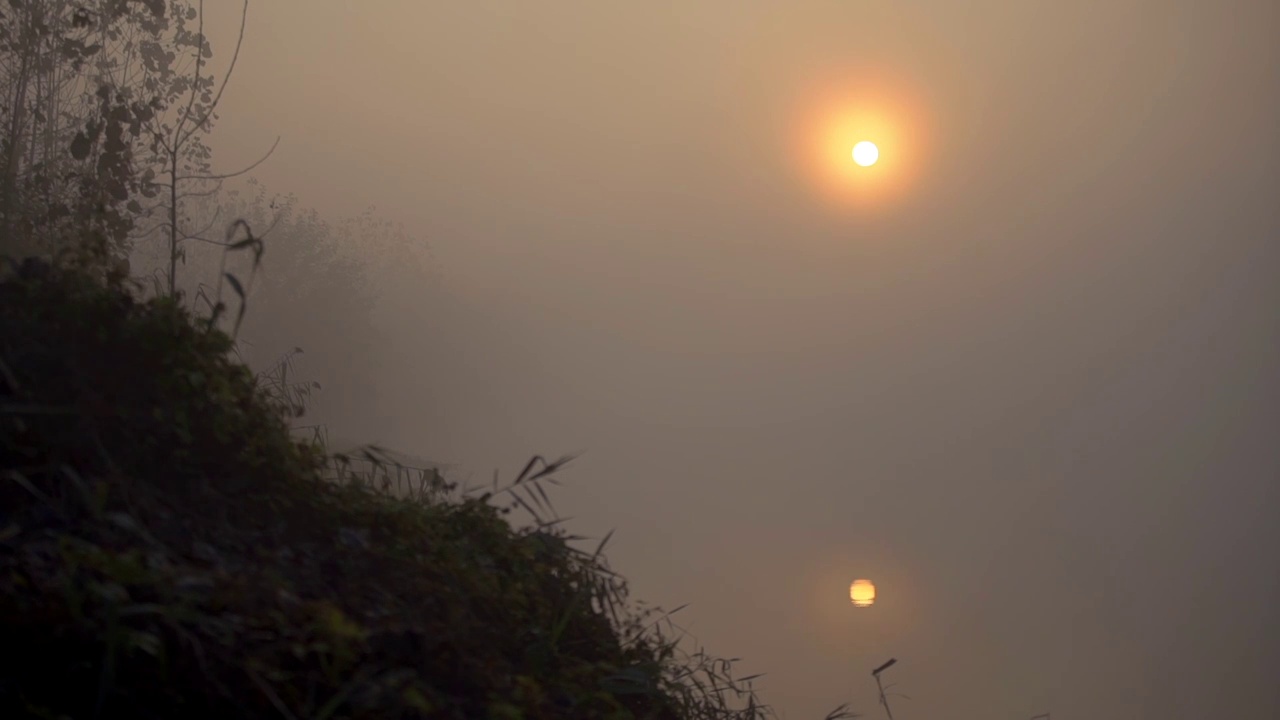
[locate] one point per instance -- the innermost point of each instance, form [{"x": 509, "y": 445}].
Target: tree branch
[
  {"x": 237, "y": 173},
  {"x": 244, "y": 14}
]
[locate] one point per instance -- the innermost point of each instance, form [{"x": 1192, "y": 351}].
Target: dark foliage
[{"x": 167, "y": 549}]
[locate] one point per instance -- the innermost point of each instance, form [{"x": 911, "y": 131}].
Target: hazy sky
[{"x": 1028, "y": 384}]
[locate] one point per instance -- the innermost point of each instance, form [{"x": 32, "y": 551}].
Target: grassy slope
[{"x": 168, "y": 550}]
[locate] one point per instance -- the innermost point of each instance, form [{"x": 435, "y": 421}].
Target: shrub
[{"x": 167, "y": 549}]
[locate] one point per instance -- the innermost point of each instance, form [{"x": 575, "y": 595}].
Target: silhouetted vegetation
[
  {"x": 325, "y": 280},
  {"x": 169, "y": 546}
]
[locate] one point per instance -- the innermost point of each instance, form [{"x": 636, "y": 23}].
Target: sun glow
[{"x": 877, "y": 117}]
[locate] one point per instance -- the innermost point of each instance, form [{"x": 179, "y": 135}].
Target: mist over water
[{"x": 1035, "y": 399}]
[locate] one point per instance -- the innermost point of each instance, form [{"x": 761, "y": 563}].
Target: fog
[{"x": 1032, "y": 393}]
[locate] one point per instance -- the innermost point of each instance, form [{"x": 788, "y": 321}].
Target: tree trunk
[{"x": 11, "y": 245}]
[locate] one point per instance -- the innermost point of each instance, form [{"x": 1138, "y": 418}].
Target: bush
[{"x": 167, "y": 549}]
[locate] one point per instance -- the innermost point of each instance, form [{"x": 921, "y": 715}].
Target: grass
[{"x": 168, "y": 548}]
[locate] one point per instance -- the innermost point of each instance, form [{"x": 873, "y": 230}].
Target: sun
[
  {"x": 863, "y": 136},
  {"x": 866, "y": 153},
  {"x": 862, "y": 593}
]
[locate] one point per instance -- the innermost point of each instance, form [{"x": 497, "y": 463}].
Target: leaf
[
  {"x": 80, "y": 146},
  {"x": 155, "y": 6},
  {"x": 235, "y": 284},
  {"x": 148, "y": 643}
]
